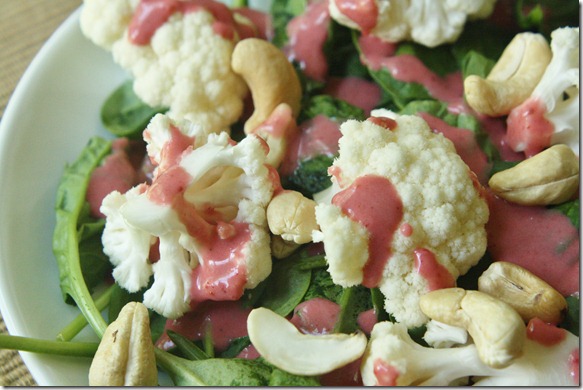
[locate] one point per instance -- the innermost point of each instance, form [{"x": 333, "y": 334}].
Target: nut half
[
  {"x": 528, "y": 294},
  {"x": 549, "y": 177},
  {"x": 284, "y": 346},
  {"x": 125, "y": 356}
]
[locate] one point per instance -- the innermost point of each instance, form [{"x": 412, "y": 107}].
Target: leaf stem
[
  {"x": 77, "y": 325},
  {"x": 63, "y": 348}
]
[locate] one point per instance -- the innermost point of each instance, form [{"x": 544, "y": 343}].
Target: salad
[{"x": 327, "y": 192}]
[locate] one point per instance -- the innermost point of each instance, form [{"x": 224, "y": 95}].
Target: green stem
[
  {"x": 239, "y": 4},
  {"x": 77, "y": 325},
  {"x": 63, "y": 348}
]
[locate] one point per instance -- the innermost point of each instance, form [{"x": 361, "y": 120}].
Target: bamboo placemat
[{"x": 25, "y": 25}]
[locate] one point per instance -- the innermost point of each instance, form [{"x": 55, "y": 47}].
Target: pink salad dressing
[
  {"x": 541, "y": 240},
  {"x": 362, "y": 12},
  {"x": 359, "y": 92},
  {"x": 307, "y": 34},
  {"x": 280, "y": 124},
  {"x": 544, "y": 333},
  {"x": 465, "y": 145},
  {"x": 410, "y": 69},
  {"x": 225, "y": 320},
  {"x": 430, "y": 269},
  {"x": 316, "y": 136},
  {"x": 316, "y": 316},
  {"x": 151, "y": 14},
  {"x": 385, "y": 373},
  {"x": 119, "y": 171},
  {"x": 380, "y": 215},
  {"x": 528, "y": 129}
]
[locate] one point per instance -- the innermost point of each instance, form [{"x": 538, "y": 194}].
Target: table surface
[{"x": 24, "y": 27}]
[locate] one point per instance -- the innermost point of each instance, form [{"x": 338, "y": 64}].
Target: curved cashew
[
  {"x": 549, "y": 177},
  {"x": 496, "y": 328},
  {"x": 292, "y": 216},
  {"x": 512, "y": 79},
  {"x": 125, "y": 356},
  {"x": 283, "y": 345},
  {"x": 528, "y": 294},
  {"x": 270, "y": 77}
]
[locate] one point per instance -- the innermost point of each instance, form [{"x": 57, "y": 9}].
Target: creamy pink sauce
[
  {"x": 380, "y": 215},
  {"x": 430, "y": 269},
  {"x": 543, "y": 333},
  {"x": 410, "y": 69},
  {"x": 120, "y": 171},
  {"x": 349, "y": 375},
  {"x": 359, "y": 92},
  {"x": 362, "y": 12},
  {"x": 261, "y": 21},
  {"x": 225, "y": 320},
  {"x": 385, "y": 122},
  {"x": 316, "y": 316},
  {"x": 366, "y": 320},
  {"x": 316, "y": 136},
  {"x": 406, "y": 230},
  {"x": 151, "y": 14},
  {"x": 307, "y": 34},
  {"x": 465, "y": 145},
  {"x": 496, "y": 130},
  {"x": 528, "y": 129},
  {"x": 541, "y": 240},
  {"x": 279, "y": 125},
  {"x": 385, "y": 373},
  {"x": 574, "y": 365}
]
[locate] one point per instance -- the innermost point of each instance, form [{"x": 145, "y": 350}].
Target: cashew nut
[
  {"x": 528, "y": 294},
  {"x": 125, "y": 356},
  {"x": 549, "y": 177},
  {"x": 270, "y": 77},
  {"x": 512, "y": 79},
  {"x": 496, "y": 328},
  {"x": 292, "y": 216},
  {"x": 283, "y": 345}
]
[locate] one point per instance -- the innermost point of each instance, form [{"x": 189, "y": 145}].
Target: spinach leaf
[
  {"x": 285, "y": 287},
  {"x": 119, "y": 298},
  {"x": 282, "y": 11},
  {"x": 235, "y": 347},
  {"x": 571, "y": 321},
  {"x": 353, "y": 301},
  {"x": 322, "y": 286},
  {"x": 439, "y": 59},
  {"x": 189, "y": 349},
  {"x": 311, "y": 175},
  {"x": 124, "y": 114},
  {"x": 213, "y": 372},
  {"x": 341, "y": 53},
  {"x": 572, "y": 210},
  {"x": 474, "y": 63},
  {"x": 69, "y": 206},
  {"x": 330, "y": 107},
  {"x": 399, "y": 92}
]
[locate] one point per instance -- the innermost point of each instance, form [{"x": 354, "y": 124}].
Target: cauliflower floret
[
  {"x": 206, "y": 210},
  {"x": 185, "y": 65},
  {"x": 392, "y": 358},
  {"x": 550, "y": 115},
  {"x": 428, "y": 22},
  {"x": 406, "y": 214}
]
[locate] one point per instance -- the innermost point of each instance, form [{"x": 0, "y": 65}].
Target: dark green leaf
[
  {"x": 572, "y": 210},
  {"x": 235, "y": 347},
  {"x": 285, "y": 287},
  {"x": 311, "y": 175},
  {"x": 188, "y": 349},
  {"x": 353, "y": 301},
  {"x": 124, "y": 114},
  {"x": 474, "y": 63},
  {"x": 282, "y": 11},
  {"x": 69, "y": 206},
  {"x": 119, "y": 298},
  {"x": 330, "y": 107},
  {"x": 322, "y": 286},
  {"x": 571, "y": 321}
]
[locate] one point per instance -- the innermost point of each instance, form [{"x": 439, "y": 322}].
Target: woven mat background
[{"x": 24, "y": 26}]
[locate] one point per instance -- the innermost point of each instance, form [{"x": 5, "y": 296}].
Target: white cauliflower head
[
  {"x": 205, "y": 209},
  {"x": 428, "y": 22},
  {"x": 406, "y": 214},
  {"x": 185, "y": 65}
]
